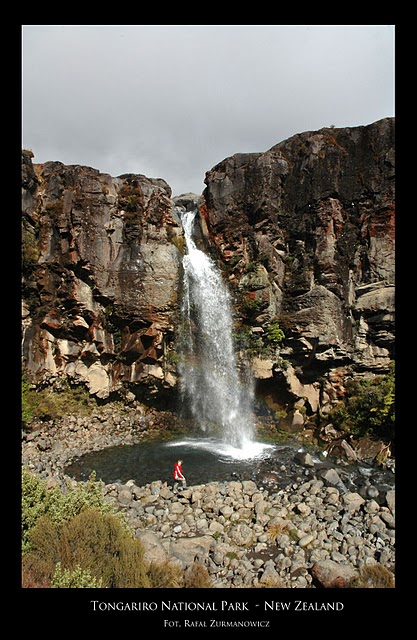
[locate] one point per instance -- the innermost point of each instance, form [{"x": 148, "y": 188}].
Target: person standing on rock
[{"x": 178, "y": 475}]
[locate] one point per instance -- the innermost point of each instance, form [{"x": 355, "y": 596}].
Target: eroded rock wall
[
  {"x": 101, "y": 269},
  {"x": 306, "y": 233}
]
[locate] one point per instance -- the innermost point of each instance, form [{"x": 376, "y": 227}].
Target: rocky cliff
[
  {"x": 101, "y": 276},
  {"x": 304, "y": 233}
]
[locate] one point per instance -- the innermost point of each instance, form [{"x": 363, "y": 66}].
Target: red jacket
[{"x": 178, "y": 472}]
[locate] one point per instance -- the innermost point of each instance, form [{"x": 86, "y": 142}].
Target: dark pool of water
[
  {"x": 203, "y": 461},
  {"x": 207, "y": 460}
]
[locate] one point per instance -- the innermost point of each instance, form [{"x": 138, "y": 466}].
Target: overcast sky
[{"x": 171, "y": 101}]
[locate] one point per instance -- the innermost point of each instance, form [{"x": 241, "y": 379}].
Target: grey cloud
[{"x": 171, "y": 101}]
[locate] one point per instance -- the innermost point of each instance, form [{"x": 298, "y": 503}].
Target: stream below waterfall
[{"x": 209, "y": 460}]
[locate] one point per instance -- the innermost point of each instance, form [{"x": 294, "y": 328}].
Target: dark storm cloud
[{"x": 171, "y": 101}]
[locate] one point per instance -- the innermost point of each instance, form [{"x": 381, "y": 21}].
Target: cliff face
[
  {"x": 101, "y": 276},
  {"x": 304, "y": 232}
]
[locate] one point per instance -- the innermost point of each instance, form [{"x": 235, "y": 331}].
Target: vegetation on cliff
[
  {"x": 369, "y": 407},
  {"x": 53, "y": 402}
]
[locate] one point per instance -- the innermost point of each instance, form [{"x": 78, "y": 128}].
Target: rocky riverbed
[{"x": 314, "y": 532}]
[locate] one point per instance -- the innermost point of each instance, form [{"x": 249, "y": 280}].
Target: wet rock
[
  {"x": 332, "y": 479},
  {"x": 304, "y": 458}
]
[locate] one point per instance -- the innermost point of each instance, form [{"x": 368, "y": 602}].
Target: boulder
[
  {"x": 249, "y": 487},
  {"x": 332, "y": 575},
  {"x": 352, "y": 501},
  {"x": 153, "y": 548},
  {"x": 242, "y": 535},
  {"x": 187, "y": 550},
  {"x": 390, "y": 498},
  {"x": 332, "y": 478},
  {"x": 304, "y": 458}
]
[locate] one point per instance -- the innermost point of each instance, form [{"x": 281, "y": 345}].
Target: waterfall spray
[{"x": 220, "y": 401}]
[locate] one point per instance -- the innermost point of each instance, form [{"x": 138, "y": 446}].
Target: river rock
[
  {"x": 270, "y": 577},
  {"x": 331, "y": 575},
  {"x": 390, "y": 498},
  {"x": 125, "y": 495},
  {"x": 389, "y": 519},
  {"x": 226, "y": 511},
  {"x": 352, "y": 501},
  {"x": 153, "y": 548},
  {"x": 249, "y": 487},
  {"x": 304, "y": 458},
  {"x": 332, "y": 479},
  {"x": 306, "y": 540},
  {"x": 187, "y": 550},
  {"x": 242, "y": 535}
]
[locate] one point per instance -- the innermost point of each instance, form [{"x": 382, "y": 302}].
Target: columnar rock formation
[{"x": 304, "y": 232}]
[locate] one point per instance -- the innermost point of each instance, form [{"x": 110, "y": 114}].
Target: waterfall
[{"x": 221, "y": 403}]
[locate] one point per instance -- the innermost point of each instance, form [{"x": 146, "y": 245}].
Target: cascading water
[{"x": 220, "y": 401}]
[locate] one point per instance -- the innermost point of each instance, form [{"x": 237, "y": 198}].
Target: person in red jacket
[{"x": 178, "y": 475}]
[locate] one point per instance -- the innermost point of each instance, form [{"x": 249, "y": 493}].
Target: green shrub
[
  {"x": 38, "y": 501},
  {"x": 43, "y": 551},
  {"x": 63, "y": 506},
  {"x": 29, "y": 581},
  {"x": 243, "y": 338},
  {"x": 75, "y": 579},
  {"x": 95, "y": 543},
  {"x": 369, "y": 408},
  {"x": 27, "y": 404},
  {"x": 77, "y": 539},
  {"x": 100, "y": 543},
  {"x": 274, "y": 334},
  {"x": 30, "y": 250},
  {"x": 50, "y": 403},
  {"x": 34, "y": 503},
  {"x": 37, "y": 572}
]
